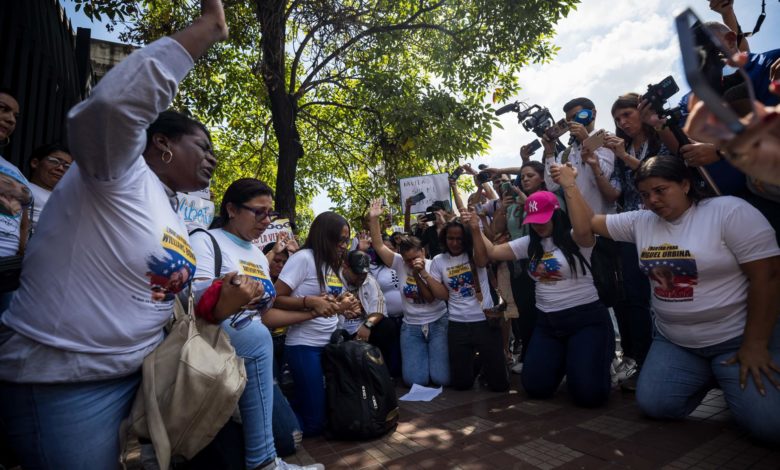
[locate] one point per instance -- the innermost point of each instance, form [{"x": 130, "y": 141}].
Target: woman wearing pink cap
[{"x": 573, "y": 335}]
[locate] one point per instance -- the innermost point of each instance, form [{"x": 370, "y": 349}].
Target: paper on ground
[{"x": 420, "y": 393}]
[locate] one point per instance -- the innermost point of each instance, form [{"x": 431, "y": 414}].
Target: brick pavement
[{"x": 483, "y": 430}]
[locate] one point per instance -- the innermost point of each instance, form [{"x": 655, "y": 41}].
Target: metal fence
[{"x": 47, "y": 67}]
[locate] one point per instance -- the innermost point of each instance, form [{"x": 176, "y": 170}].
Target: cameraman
[{"x": 594, "y": 168}]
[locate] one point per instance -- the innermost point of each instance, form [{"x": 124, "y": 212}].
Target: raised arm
[
  {"x": 374, "y": 212},
  {"x": 471, "y": 222},
  {"x": 580, "y": 215},
  {"x": 456, "y": 195},
  {"x": 107, "y": 131},
  {"x": 502, "y": 252}
]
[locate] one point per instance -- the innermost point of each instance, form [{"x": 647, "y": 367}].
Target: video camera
[
  {"x": 657, "y": 95},
  {"x": 534, "y": 118}
]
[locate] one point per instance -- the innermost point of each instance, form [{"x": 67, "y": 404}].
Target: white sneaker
[{"x": 280, "y": 464}]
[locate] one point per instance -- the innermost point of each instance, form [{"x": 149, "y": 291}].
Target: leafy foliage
[{"x": 349, "y": 94}]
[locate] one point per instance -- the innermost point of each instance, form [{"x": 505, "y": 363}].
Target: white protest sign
[
  {"x": 195, "y": 211},
  {"x": 428, "y": 188},
  {"x": 272, "y": 232}
]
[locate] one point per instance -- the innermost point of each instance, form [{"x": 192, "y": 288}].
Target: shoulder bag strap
[{"x": 217, "y": 252}]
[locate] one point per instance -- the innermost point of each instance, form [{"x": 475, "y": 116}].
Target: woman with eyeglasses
[
  {"x": 309, "y": 295},
  {"x": 245, "y": 213},
  {"x": 49, "y": 164}
]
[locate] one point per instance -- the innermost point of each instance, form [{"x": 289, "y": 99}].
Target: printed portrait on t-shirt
[
  {"x": 14, "y": 194},
  {"x": 171, "y": 273},
  {"x": 460, "y": 279},
  {"x": 672, "y": 271},
  {"x": 548, "y": 269},
  {"x": 257, "y": 273},
  {"x": 412, "y": 292}
]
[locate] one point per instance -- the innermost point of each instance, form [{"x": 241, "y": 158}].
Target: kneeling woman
[
  {"x": 573, "y": 334},
  {"x": 245, "y": 213},
  {"x": 459, "y": 276},
  {"x": 310, "y": 282},
  {"x": 714, "y": 268},
  {"x": 424, "y": 329}
]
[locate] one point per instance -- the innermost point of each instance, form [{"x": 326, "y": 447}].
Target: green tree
[{"x": 349, "y": 95}]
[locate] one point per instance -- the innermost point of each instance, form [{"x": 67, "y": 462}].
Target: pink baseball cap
[{"x": 539, "y": 207}]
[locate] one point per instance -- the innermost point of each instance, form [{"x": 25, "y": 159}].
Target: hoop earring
[{"x": 170, "y": 157}]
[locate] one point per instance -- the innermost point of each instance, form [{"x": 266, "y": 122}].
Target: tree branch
[{"x": 406, "y": 25}]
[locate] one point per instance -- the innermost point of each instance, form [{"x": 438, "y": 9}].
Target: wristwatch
[{"x": 368, "y": 324}]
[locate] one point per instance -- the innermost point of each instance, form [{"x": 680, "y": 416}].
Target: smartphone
[
  {"x": 704, "y": 57},
  {"x": 506, "y": 187},
  {"x": 429, "y": 217},
  {"x": 456, "y": 174},
  {"x": 557, "y": 129},
  {"x": 418, "y": 197},
  {"x": 533, "y": 146},
  {"x": 595, "y": 141}
]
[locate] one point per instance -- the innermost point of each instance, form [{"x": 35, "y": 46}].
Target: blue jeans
[
  {"x": 73, "y": 425},
  {"x": 309, "y": 403},
  {"x": 579, "y": 343},
  {"x": 287, "y": 431},
  {"x": 253, "y": 343},
  {"x": 424, "y": 357},
  {"x": 674, "y": 380}
]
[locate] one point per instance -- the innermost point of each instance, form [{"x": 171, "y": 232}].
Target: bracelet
[
  {"x": 570, "y": 186},
  {"x": 304, "y": 301}
]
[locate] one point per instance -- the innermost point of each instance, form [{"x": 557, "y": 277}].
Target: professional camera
[
  {"x": 534, "y": 118},
  {"x": 658, "y": 94},
  {"x": 428, "y": 217}
]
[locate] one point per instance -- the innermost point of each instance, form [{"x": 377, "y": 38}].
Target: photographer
[{"x": 595, "y": 168}]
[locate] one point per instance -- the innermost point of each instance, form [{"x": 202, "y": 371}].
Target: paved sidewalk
[{"x": 483, "y": 430}]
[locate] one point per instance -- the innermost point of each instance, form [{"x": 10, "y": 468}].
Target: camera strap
[{"x": 756, "y": 28}]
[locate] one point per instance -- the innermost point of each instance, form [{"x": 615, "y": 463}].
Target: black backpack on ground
[
  {"x": 605, "y": 265},
  {"x": 360, "y": 394}
]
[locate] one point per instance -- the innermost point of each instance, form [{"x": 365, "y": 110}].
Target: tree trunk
[{"x": 284, "y": 106}]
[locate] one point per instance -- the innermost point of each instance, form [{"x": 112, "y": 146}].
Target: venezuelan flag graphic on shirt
[{"x": 172, "y": 272}]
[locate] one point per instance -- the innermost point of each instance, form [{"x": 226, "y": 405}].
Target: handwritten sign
[
  {"x": 195, "y": 211},
  {"x": 432, "y": 187},
  {"x": 272, "y": 232}
]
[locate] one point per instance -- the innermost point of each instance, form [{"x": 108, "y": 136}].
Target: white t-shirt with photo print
[
  {"x": 237, "y": 256},
  {"x": 699, "y": 289},
  {"x": 300, "y": 274},
  {"x": 416, "y": 310},
  {"x": 557, "y": 288},
  {"x": 455, "y": 273}
]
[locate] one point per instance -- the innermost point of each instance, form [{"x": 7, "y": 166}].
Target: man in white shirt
[
  {"x": 594, "y": 169},
  {"x": 49, "y": 164}
]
